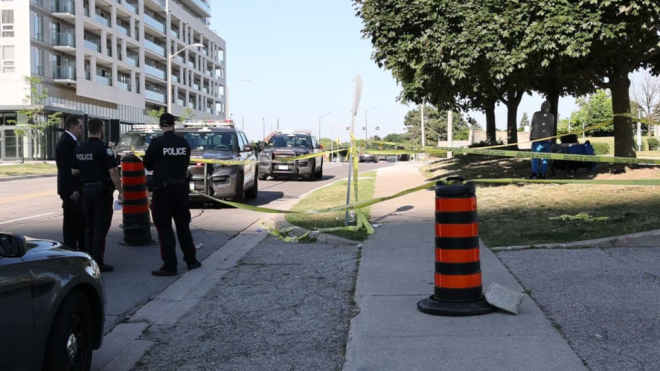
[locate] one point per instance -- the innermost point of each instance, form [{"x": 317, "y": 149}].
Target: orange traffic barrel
[
  {"x": 135, "y": 208},
  {"x": 457, "y": 288}
]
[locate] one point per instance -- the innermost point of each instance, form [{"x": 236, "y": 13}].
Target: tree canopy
[{"x": 472, "y": 54}]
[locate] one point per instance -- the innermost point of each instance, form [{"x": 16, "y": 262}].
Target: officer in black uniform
[
  {"x": 96, "y": 164},
  {"x": 168, "y": 156}
]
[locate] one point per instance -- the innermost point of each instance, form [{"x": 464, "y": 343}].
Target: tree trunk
[
  {"x": 512, "y": 103},
  {"x": 624, "y": 140},
  {"x": 553, "y": 98},
  {"x": 491, "y": 130}
]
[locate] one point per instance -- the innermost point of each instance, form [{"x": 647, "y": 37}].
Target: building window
[
  {"x": 37, "y": 61},
  {"x": 37, "y": 27},
  {"x": 8, "y": 59},
  {"x": 8, "y": 23}
]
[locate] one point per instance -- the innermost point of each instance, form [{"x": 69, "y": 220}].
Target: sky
[{"x": 301, "y": 58}]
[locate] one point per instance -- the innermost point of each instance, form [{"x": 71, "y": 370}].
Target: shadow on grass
[{"x": 488, "y": 167}]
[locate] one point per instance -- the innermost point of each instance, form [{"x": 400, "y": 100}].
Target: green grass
[
  {"x": 27, "y": 169},
  {"x": 520, "y": 214},
  {"x": 334, "y": 195}
]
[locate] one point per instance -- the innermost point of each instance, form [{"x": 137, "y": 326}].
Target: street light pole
[
  {"x": 366, "y": 123},
  {"x": 263, "y": 120},
  {"x": 169, "y": 71},
  {"x": 329, "y": 113}
]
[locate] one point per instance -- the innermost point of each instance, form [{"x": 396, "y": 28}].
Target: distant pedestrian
[
  {"x": 97, "y": 166},
  {"x": 168, "y": 156},
  {"x": 68, "y": 186},
  {"x": 542, "y": 123}
]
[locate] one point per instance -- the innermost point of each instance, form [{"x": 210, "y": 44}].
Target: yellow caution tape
[
  {"x": 620, "y": 182},
  {"x": 553, "y": 156}
]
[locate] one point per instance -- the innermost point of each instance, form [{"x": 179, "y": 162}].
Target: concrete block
[{"x": 504, "y": 298}]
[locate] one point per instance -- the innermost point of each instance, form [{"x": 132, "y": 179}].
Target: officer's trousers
[
  {"x": 73, "y": 226},
  {"x": 167, "y": 203},
  {"x": 97, "y": 202}
]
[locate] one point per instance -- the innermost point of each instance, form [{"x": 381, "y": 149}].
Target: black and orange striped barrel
[
  {"x": 457, "y": 278},
  {"x": 457, "y": 263},
  {"x": 135, "y": 208}
]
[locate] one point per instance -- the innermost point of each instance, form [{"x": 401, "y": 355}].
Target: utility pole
[
  {"x": 450, "y": 131},
  {"x": 263, "y": 120},
  {"x": 366, "y": 123},
  {"x": 357, "y": 94},
  {"x": 278, "y": 124},
  {"x": 243, "y": 123},
  {"x": 423, "y": 129}
]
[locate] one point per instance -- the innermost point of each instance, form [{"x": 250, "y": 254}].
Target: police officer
[
  {"x": 97, "y": 166},
  {"x": 168, "y": 156}
]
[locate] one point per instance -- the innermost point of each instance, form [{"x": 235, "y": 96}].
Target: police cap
[{"x": 166, "y": 120}]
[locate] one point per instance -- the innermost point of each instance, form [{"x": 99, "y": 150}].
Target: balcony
[
  {"x": 123, "y": 30},
  {"x": 64, "y": 9},
  {"x": 124, "y": 85},
  {"x": 161, "y": 3},
  {"x": 175, "y": 78},
  {"x": 102, "y": 20},
  {"x": 174, "y": 33},
  {"x": 196, "y": 86},
  {"x": 192, "y": 105},
  {"x": 179, "y": 58},
  {"x": 39, "y": 36},
  {"x": 89, "y": 44},
  {"x": 180, "y": 102},
  {"x": 205, "y": 89},
  {"x": 191, "y": 64},
  {"x": 133, "y": 60},
  {"x": 104, "y": 80},
  {"x": 210, "y": 110},
  {"x": 64, "y": 74},
  {"x": 132, "y": 7},
  {"x": 64, "y": 41},
  {"x": 154, "y": 23},
  {"x": 155, "y": 48},
  {"x": 154, "y": 71},
  {"x": 200, "y": 6},
  {"x": 156, "y": 96}
]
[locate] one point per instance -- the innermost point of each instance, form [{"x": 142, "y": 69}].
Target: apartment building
[{"x": 107, "y": 59}]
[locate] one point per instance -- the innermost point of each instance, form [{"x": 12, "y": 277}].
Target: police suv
[
  {"x": 288, "y": 144},
  {"x": 208, "y": 139}
]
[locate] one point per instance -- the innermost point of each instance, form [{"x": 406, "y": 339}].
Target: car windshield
[
  {"x": 137, "y": 139},
  {"x": 291, "y": 141},
  {"x": 205, "y": 141}
]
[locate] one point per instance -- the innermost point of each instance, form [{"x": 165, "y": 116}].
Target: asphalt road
[{"x": 32, "y": 207}]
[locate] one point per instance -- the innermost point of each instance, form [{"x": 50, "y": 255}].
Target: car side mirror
[
  {"x": 12, "y": 245},
  {"x": 247, "y": 148}
]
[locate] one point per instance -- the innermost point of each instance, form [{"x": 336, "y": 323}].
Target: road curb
[
  {"x": 599, "y": 242},
  {"x": 280, "y": 223},
  {"x": 23, "y": 177}
]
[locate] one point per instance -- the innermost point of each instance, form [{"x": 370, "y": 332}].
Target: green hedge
[
  {"x": 654, "y": 144},
  {"x": 601, "y": 148}
]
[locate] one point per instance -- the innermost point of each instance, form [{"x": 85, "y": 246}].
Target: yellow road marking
[{"x": 31, "y": 196}]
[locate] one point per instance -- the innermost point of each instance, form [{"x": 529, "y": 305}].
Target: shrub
[
  {"x": 485, "y": 143},
  {"x": 601, "y": 148},
  {"x": 654, "y": 144}
]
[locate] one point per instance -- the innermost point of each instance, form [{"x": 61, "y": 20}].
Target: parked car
[
  {"x": 367, "y": 157},
  {"x": 287, "y": 144},
  {"x": 52, "y": 306},
  {"x": 208, "y": 139}
]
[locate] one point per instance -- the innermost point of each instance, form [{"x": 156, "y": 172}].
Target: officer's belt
[{"x": 89, "y": 184}]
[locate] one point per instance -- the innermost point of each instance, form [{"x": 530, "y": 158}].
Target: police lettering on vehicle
[
  {"x": 85, "y": 156},
  {"x": 169, "y": 151}
]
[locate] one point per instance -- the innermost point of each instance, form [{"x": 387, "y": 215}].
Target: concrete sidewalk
[{"x": 396, "y": 271}]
